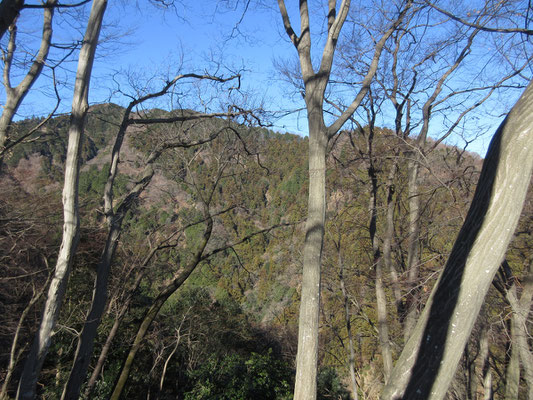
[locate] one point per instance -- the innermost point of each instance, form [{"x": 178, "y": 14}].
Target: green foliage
[
  {"x": 236, "y": 377},
  {"x": 92, "y": 182},
  {"x": 329, "y": 385}
]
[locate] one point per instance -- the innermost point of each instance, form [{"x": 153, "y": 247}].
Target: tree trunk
[
  {"x": 348, "y": 321},
  {"x": 413, "y": 254},
  {"x": 483, "y": 364},
  {"x": 512, "y": 372},
  {"x": 521, "y": 309},
  {"x": 84, "y": 349},
  {"x": 56, "y": 292},
  {"x": 307, "y": 357},
  {"x": 118, "y": 319},
  {"x": 430, "y": 358},
  {"x": 387, "y": 241},
  {"x": 377, "y": 261}
]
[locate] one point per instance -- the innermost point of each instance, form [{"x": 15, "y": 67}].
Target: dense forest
[{"x": 195, "y": 251}]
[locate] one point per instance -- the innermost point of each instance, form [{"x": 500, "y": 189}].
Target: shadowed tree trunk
[
  {"x": 56, "y": 292},
  {"x": 429, "y": 359}
]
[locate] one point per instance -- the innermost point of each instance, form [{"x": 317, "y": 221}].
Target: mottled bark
[
  {"x": 56, "y": 292},
  {"x": 430, "y": 358},
  {"x": 377, "y": 261}
]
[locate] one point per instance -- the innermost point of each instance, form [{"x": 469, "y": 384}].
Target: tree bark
[
  {"x": 378, "y": 261},
  {"x": 84, "y": 349},
  {"x": 307, "y": 356},
  {"x": 429, "y": 360},
  {"x": 413, "y": 253},
  {"x": 348, "y": 322},
  {"x": 319, "y": 135},
  {"x": 512, "y": 372},
  {"x": 56, "y": 292},
  {"x": 521, "y": 309}
]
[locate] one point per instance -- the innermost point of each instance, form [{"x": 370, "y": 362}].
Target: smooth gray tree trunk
[
  {"x": 512, "y": 372},
  {"x": 429, "y": 359},
  {"x": 56, "y": 292},
  {"x": 319, "y": 135},
  {"x": 521, "y": 310}
]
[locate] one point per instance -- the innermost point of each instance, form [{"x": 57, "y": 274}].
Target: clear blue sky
[{"x": 147, "y": 41}]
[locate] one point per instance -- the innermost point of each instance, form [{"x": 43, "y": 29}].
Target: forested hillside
[
  {"x": 231, "y": 199},
  {"x": 228, "y": 330}
]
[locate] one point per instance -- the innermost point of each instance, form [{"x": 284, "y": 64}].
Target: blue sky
[{"x": 147, "y": 42}]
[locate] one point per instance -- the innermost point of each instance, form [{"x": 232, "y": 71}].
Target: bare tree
[
  {"x": 56, "y": 292},
  {"x": 315, "y": 84},
  {"x": 114, "y": 219}
]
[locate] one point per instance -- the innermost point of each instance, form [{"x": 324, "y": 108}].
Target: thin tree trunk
[
  {"x": 56, "y": 292},
  {"x": 512, "y": 372},
  {"x": 413, "y": 254},
  {"x": 84, "y": 349},
  {"x": 429, "y": 359},
  {"x": 348, "y": 322},
  {"x": 118, "y": 319},
  {"x": 388, "y": 238},
  {"x": 377, "y": 261},
  {"x": 483, "y": 364},
  {"x": 521, "y": 309}
]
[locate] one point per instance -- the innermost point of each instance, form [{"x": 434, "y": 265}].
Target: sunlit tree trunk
[
  {"x": 512, "y": 371},
  {"x": 307, "y": 357},
  {"x": 429, "y": 359},
  {"x": 521, "y": 310},
  {"x": 413, "y": 253},
  {"x": 56, "y": 292},
  {"x": 319, "y": 135}
]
